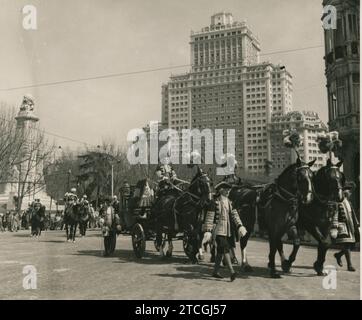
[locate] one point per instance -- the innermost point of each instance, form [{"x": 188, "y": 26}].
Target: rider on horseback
[
  {"x": 71, "y": 197},
  {"x": 84, "y": 201}
]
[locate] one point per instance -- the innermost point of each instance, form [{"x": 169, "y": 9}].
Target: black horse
[
  {"x": 320, "y": 216},
  {"x": 182, "y": 211},
  {"x": 83, "y": 217},
  {"x": 278, "y": 206},
  {"x": 71, "y": 217}
]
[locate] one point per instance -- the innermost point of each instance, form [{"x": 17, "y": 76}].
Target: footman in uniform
[
  {"x": 348, "y": 229},
  {"x": 227, "y": 223}
]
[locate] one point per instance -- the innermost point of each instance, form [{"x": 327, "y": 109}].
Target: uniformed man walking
[{"x": 227, "y": 225}]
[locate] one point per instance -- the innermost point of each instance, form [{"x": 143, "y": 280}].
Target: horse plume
[{"x": 330, "y": 142}]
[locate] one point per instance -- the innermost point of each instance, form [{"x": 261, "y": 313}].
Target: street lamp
[{"x": 112, "y": 169}]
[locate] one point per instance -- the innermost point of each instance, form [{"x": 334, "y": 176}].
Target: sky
[{"x": 81, "y": 39}]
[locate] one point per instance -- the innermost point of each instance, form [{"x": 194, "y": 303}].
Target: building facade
[
  {"x": 309, "y": 126},
  {"x": 228, "y": 88},
  {"x": 343, "y": 81}
]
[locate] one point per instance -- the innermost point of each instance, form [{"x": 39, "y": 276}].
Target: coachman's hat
[{"x": 222, "y": 185}]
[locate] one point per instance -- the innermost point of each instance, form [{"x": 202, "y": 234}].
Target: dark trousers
[
  {"x": 83, "y": 227},
  {"x": 110, "y": 243}
]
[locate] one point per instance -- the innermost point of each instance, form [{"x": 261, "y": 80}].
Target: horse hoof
[
  {"x": 268, "y": 264},
  {"x": 286, "y": 265},
  {"x": 168, "y": 254},
  {"x": 247, "y": 268},
  {"x": 317, "y": 267},
  {"x": 212, "y": 259},
  {"x": 275, "y": 275}
]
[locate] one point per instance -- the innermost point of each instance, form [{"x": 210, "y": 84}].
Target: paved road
[{"x": 78, "y": 271}]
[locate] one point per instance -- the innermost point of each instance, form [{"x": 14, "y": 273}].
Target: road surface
[{"x": 79, "y": 271}]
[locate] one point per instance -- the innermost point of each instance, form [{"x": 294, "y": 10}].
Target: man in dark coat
[{"x": 37, "y": 219}]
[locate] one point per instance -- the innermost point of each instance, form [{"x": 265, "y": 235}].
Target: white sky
[{"x": 77, "y": 39}]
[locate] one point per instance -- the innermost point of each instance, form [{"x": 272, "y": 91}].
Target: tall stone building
[
  {"x": 228, "y": 88},
  {"x": 343, "y": 81},
  {"x": 309, "y": 126},
  {"x": 27, "y": 177}
]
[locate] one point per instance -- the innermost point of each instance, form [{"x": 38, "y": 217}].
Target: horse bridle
[
  {"x": 197, "y": 179},
  {"x": 311, "y": 191},
  {"x": 319, "y": 197},
  {"x": 292, "y": 198}
]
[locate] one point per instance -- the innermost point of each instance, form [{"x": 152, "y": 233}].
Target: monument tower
[{"x": 26, "y": 176}]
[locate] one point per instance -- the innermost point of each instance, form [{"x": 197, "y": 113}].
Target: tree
[
  {"x": 61, "y": 174},
  {"x": 32, "y": 162},
  {"x": 11, "y": 142}
]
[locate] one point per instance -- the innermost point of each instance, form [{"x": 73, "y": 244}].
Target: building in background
[
  {"x": 228, "y": 88},
  {"x": 343, "y": 82},
  {"x": 26, "y": 180},
  {"x": 267, "y": 91},
  {"x": 309, "y": 126}
]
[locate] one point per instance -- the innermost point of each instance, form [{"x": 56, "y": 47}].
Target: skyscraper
[{"x": 228, "y": 88}]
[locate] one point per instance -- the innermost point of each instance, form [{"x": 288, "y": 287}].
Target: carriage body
[{"x": 135, "y": 216}]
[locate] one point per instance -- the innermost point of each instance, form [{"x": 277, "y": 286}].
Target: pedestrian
[
  {"x": 92, "y": 221},
  {"x": 37, "y": 220},
  {"x": 348, "y": 233},
  {"x": 1, "y": 222},
  {"x": 227, "y": 225},
  {"x": 110, "y": 228}
]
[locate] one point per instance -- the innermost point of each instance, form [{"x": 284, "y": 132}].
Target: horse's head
[
  {"x": 330, "y": 181},
  {"x": 304, "y": 178},
  {"x": 296, "y": 179},
  {"x": 201, "y": 185}
]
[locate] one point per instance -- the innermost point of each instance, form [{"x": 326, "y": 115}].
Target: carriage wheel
[{"x": 138, "y": 240}]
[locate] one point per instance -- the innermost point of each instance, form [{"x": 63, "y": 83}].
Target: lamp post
[
  {"x": 68, "y": 183},
  {"x": 112, "y": 169},
  {"x": 112, "y": 182}
]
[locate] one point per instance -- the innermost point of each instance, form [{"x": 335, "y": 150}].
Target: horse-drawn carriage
[{"x": 173, "y": 214}]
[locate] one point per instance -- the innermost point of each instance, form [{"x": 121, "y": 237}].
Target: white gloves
[
  {"x": 334, "y": 233},
  {"x": 242, "y": 232},
  {"x": 207, "y": 237}
]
